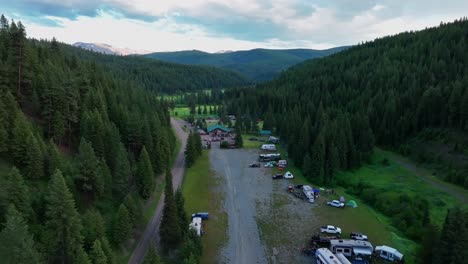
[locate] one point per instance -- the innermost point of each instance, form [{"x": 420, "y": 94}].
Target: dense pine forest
[
  {"x": 332, "y": 111},
  {"x": 392, "y": 92},
  {"x": 80, "y": 151},
  {"x": 162, "y": 77}
]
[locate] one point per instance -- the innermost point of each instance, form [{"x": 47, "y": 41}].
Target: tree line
[
  {"x": 332, "y": 111},
  {"x": 158, "y": 76},
  {"x": 80, "y": 149}
]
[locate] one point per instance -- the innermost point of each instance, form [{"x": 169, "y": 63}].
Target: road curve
[{"x": 151, "y": 232}]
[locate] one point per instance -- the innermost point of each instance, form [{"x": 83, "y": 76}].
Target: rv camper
[
  {"x": 325, "y": 256},
  {"x": 308, "y": 192},
  {"x": 270, "y": 147},
  {"x": 389, "y": 253},
  {"x": 269, "y": 157},
  {"x": 196, "y": 225},
  {"x": 358, "y": 251}
]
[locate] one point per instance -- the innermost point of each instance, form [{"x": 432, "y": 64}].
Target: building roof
[
  {"x": 218, "y": 126},
  {"x": 265, "y": 132}
]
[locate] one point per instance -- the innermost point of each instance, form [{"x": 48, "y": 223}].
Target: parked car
[
  {"x": 336, "y": 203},
  {"x": 329, "y": 229},
  {"x": 389, "y": 253},
  {"x": 278, "y": 176},
  {"x": 253, "y": 139},
  {"x": 288, "y": 175},
  {"x": 254, "y": 165},
  {"x": 269, "y": 165},
  {"x": 202, "y": 215},
  {"x": 358, "y": 236}
]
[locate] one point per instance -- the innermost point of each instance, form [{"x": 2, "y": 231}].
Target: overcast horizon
[{"x": 230, "y": 25}]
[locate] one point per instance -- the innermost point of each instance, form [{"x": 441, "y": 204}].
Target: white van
[
  {"x": 270, "y": 147},
  {"x": 196, "y": 225}
]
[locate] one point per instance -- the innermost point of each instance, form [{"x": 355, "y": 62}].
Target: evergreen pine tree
[
  {"x": 189, "y": 151},
  {"x": 53, "y": 160},
  {"x": 97, "y": 255},
  {"x": 20, "y": 145},
  {"x": 152, "y": 256},
  {"x": 197, "y": 141},
  {"x": 63, "y": 225},
  {"x": 14, "y": 191},
  {"x": 106, "y": 247},
  {"x": 93, "y": 228},
  {"x": 16, "y": 243},
  {"x": 135, "y": 209},
  {"x": 88, "y": 180},
  {"x": 122, "y": 225},
  {"x": 169, "y": 230},
  {"x": 34, "y": 163},
  {"x": 145, "y": 177},
  {"x": 238, "y": 139},
  {"x": 82, "y": 257},
  {"x": 182, "y": 216},
  {"x": 121, "y": 173}
]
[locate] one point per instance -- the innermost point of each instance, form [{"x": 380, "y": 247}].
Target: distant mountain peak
[{"x": 108, "y": 49}]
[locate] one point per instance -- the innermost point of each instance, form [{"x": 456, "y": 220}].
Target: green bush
[{"x": 224, "y": 145}]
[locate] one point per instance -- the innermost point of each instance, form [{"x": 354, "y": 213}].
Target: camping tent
[{"x": 352, "y": 203}]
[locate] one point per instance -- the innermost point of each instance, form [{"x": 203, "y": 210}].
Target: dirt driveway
[
  {"x": 265, "y": 223},
  {"x": 242, "y": 188}
]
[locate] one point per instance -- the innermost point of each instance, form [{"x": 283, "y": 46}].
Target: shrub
[{"x": 224, "y": 145}]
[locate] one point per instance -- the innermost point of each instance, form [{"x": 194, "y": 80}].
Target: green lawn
[
  {"x": 253, "y": 144},
  {"x": 394, "y": 177},
  {"x": 184, "y": 111},
  {"x": 199, "y": 190}
]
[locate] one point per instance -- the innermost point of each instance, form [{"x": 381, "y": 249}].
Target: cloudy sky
[{"x": 214, "y": 25}]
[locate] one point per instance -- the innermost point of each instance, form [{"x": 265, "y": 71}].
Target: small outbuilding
[{"x": 265, "y": 132}]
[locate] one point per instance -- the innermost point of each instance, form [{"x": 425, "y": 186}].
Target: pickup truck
[
  {"x": 358, "y": 236},
  {"x": 329, "y": 229}
]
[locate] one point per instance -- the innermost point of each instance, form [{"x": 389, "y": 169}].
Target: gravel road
[
  {"x": 151, "y": 232},
  {"x": 265, "y": 223},
  {"x": 243, "y": 188}
]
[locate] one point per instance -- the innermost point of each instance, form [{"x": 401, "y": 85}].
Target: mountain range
[
  {"x": 256, "y": 64},
  {"x": 108, "y": 49}
]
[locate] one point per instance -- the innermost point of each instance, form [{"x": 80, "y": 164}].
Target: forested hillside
[
  {"x": 257, "y": 64},
  {"x": 158, "y": 76},
  {"x": 80, "y": 151},
  {"x": 332, "y": 111}
]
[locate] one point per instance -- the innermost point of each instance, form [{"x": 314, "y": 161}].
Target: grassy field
[
  {"x": 184, "y": 111},
  {"x": 363, "y": 218},
  {"x": 199, "y": 190},
  {"x": 394, "y": 177}
]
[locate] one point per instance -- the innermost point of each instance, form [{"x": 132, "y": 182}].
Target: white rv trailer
[
  {"x": 196, "y": 225},
  {"x": 270, "y": 147},
  {"x": 352, "y": 248},
  {"x": 308, "y": 192},
  {"x": 325, "y": 256}
]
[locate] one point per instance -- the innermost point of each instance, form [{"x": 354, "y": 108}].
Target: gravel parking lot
[{"x": 265, "y": 223}]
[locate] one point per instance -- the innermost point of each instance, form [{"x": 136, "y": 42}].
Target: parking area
[{"x": 268, "y": 224}]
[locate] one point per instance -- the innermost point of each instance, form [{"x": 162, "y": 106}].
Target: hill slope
[
  {"x": 256, "y": 64},
  {"x": 383, "y": 92},
  {"x": 161, "y": 76}
]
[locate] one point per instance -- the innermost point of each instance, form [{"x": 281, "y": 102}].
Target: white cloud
[
  {"x": 163, "y": 35},
  {"x": 213, "y": 25}
]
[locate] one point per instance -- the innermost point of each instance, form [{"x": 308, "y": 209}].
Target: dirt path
[
  {"x": 151, "y": 232},
  {"x": 243, "y": 188},
  {"x": 426, "y": 176}
]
